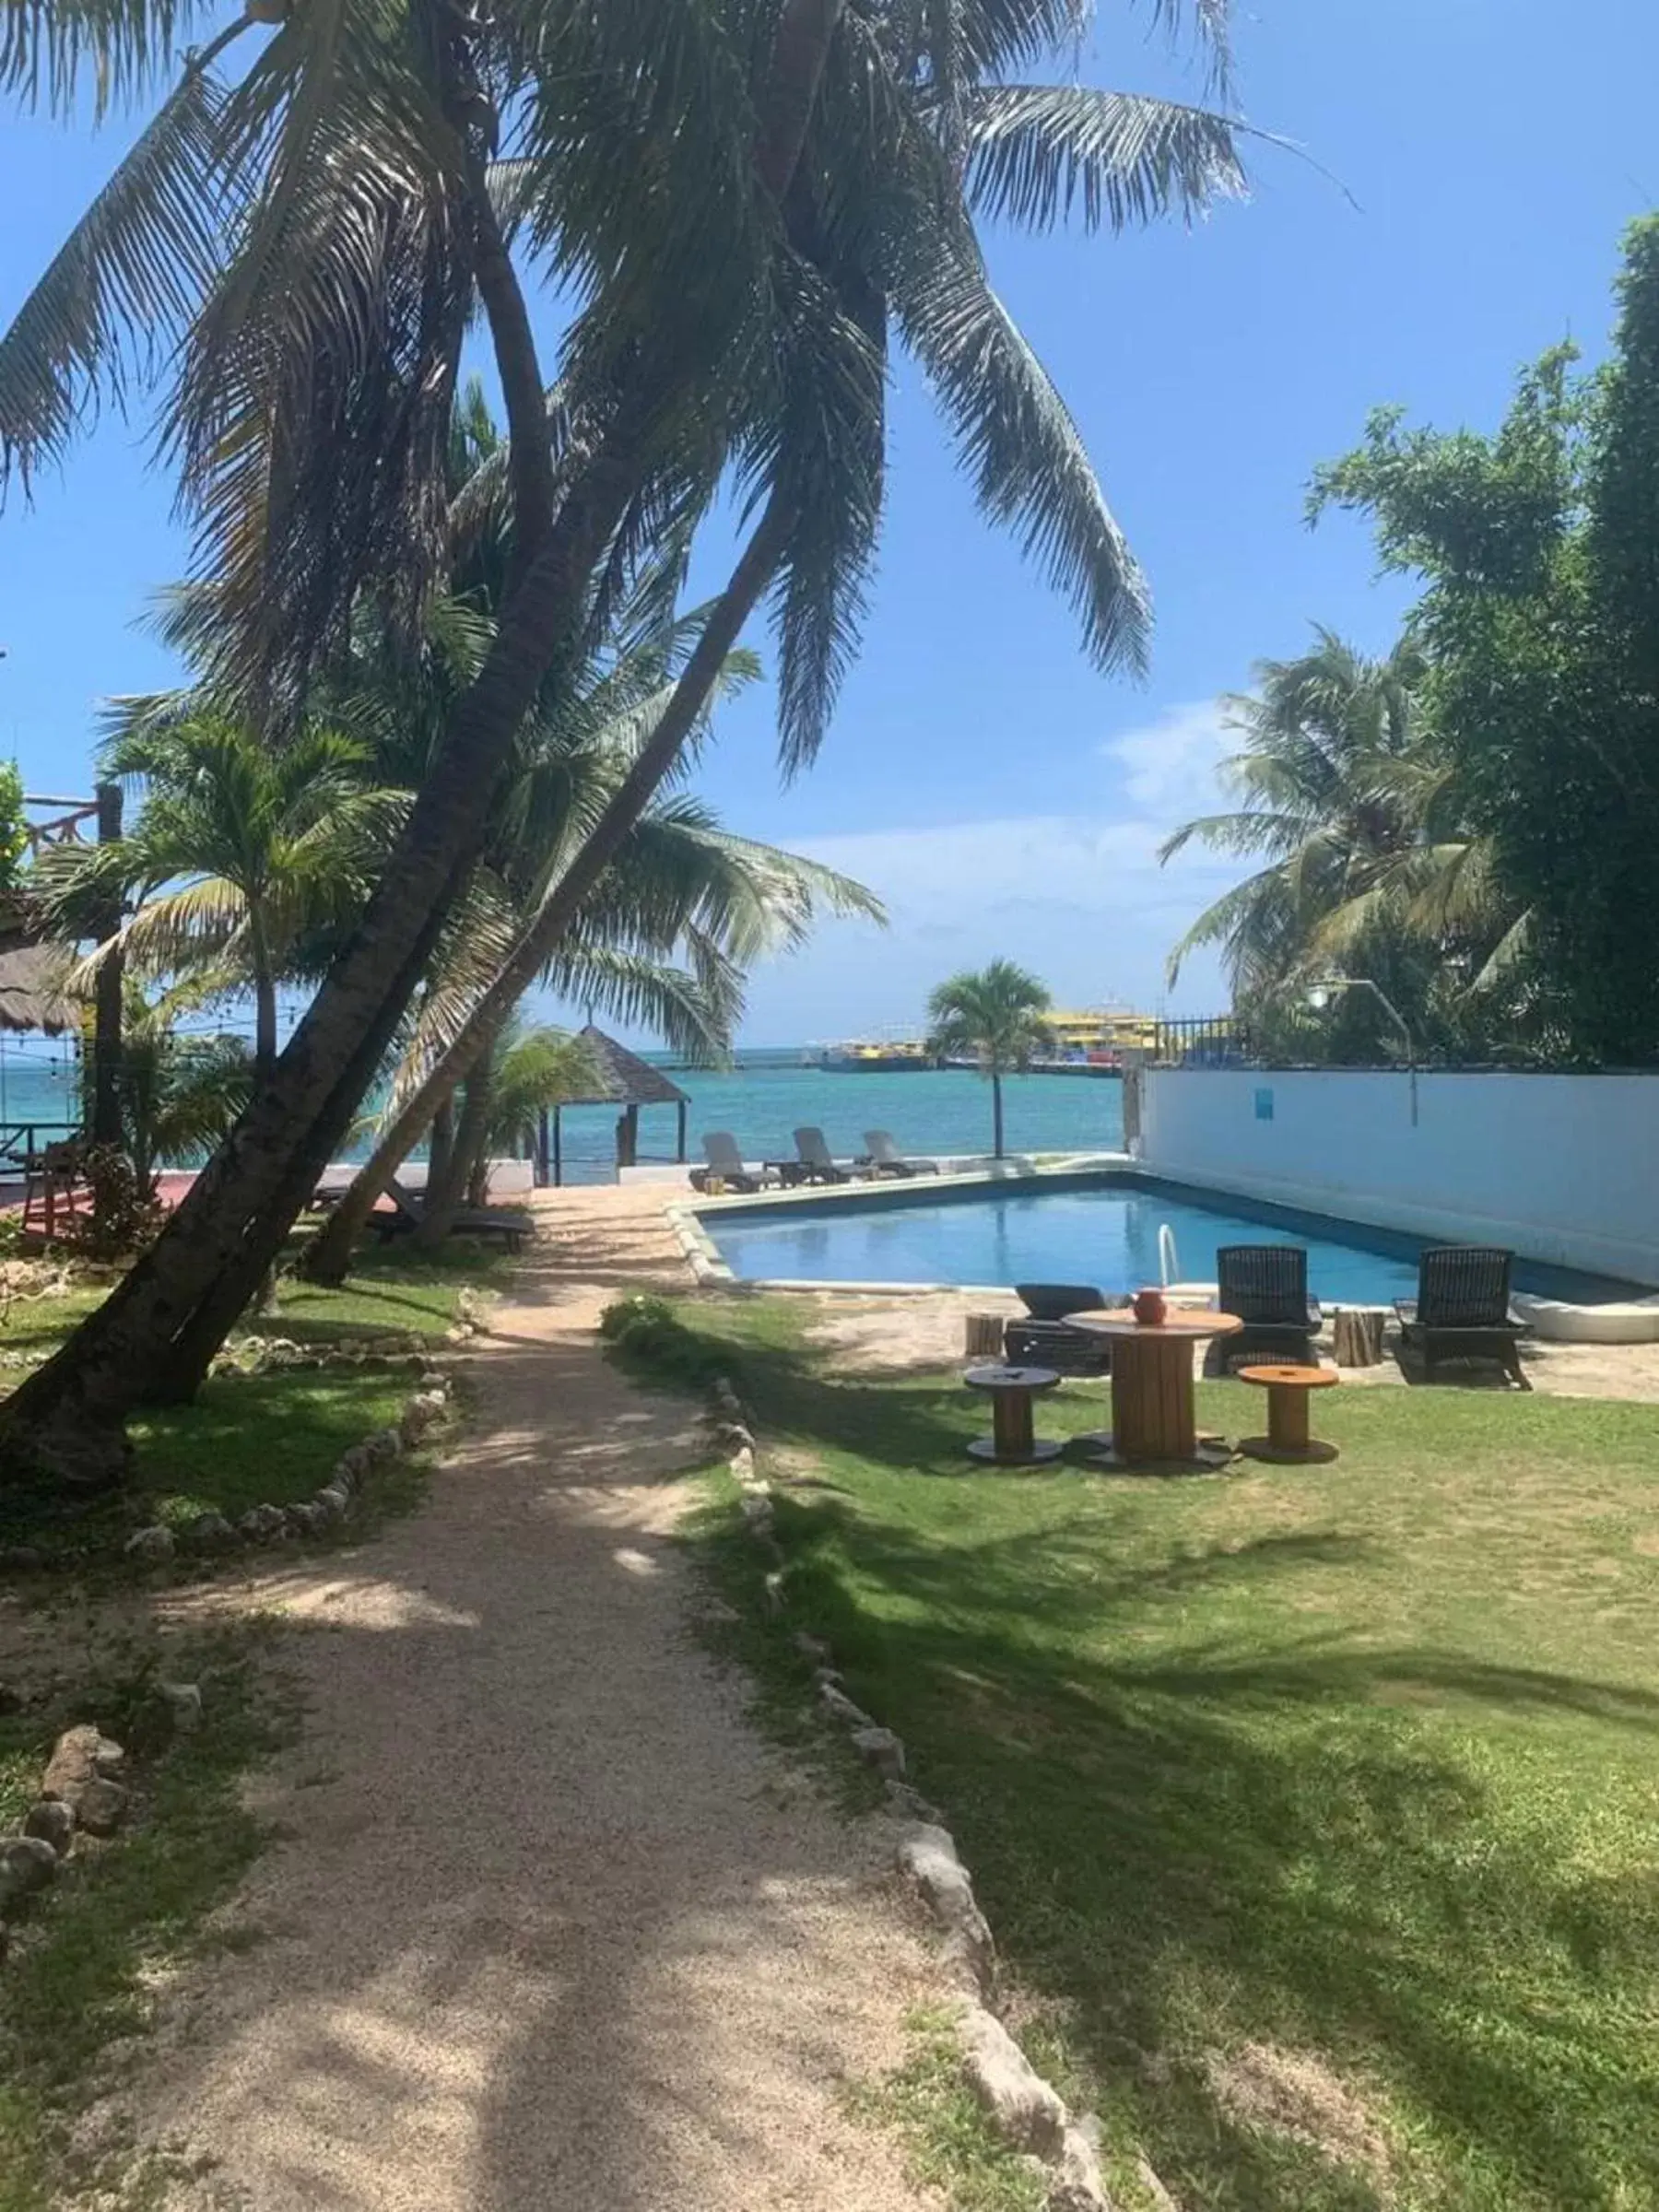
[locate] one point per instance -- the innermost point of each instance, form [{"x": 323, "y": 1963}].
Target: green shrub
[
  {"x": 624, "y": 1314},
  {"x": 650, "y": 1335}
]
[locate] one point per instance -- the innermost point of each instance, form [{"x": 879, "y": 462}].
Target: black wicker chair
[
  {"x": 1266, "y": 1287},
  {"x": 1040, "y": 1338},
  {"x": 1462, "y": 1309}
]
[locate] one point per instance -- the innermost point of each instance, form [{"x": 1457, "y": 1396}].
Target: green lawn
[
  {"x": 249, "y": 1439},
  {"x": 1316, "y": 1810},
  {"x": 87, "y": 1960}
]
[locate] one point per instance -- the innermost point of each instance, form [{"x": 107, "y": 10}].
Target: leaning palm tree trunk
[
  {"x": 67, "y": 1418},
  {"x": 441, "y": 1145},
  {"x": 331, "y": 1254},
  {"x": 444, "y": 1197}
]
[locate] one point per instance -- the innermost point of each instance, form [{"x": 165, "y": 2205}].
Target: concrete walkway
[{"x": 551, "y": 1930}]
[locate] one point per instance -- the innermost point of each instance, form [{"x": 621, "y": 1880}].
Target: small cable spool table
[
  {"x": 1289, "y": 1390},
  {"x": 1154, "y": 1410},
  {"x": 1011, "y": 1442}
]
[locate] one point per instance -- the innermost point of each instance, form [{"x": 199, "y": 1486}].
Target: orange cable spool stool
[{"x": 1289, "y": 1389}]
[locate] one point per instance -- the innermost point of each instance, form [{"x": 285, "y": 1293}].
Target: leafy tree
[
  {"x": 1539, "y": 623},
  {"x": 995, "y": 1014},
  {"x": 303, "y": 247},
  {"x": 14, "y": 835},
  {"x": 1349, "y": 800},
  {"x": 507, "y": 1090},
  {"x": 178, "y": 1093},
  {"x": 238, "y": 851}
]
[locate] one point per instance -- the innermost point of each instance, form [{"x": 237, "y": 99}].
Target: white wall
[{"x": 1562, "y": 1168}]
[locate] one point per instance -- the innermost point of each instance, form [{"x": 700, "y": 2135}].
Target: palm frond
[
  {"x": 1036, "y": 152},
  {"x": 122, "y": 287},
  {"x": 1017, "y": 436},
  {"x": 1247, "y": 832},
  {"x": 825, "y": 462},
  {"x": 185, "y": 928},
  {"x": 311, "y": 417},
  {"x": 48, "y": 48}
]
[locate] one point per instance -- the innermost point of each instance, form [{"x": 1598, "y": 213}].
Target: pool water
[{"x": 1103, "y": 1231}]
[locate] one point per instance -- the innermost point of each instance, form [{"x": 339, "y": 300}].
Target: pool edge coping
[
  {"x": 683, "y": 1217},
  {"x": 1633, "y": 1321}
]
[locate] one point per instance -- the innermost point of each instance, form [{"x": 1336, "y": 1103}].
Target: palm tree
[
  {"x": 1369, "y": 861},
  {"x": 1328, "y": 804},
  {"x": 675, "y": 880},
  {"x": 315, "y": 234},
  {"x": 177, "y": 1093},
  {"x": 996, "y": 1015},
  {"x": 507, "y": 1091},
  {"x": 238, "y": 851}
]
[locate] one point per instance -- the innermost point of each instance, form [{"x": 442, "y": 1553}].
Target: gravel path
[{"x": 550, "y": 1927}]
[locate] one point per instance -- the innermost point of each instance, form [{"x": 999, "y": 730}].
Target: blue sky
[{"x": 1001, "y": 796}]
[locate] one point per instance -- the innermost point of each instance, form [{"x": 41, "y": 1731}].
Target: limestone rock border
[
  {"x": 84, "y": 1791},
  {"x": 1027, "y": 2111},
  {"x": 211, "y": 1535}
]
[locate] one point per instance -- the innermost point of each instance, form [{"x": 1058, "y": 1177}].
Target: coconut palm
[
  {"x": 1370, "y": 862},
  {"x": 996, "y": 1015},
  {"x": 676, "y": 879},
  {"x": 302, "y": 247},
  {"x": 1328, "y": 803}
]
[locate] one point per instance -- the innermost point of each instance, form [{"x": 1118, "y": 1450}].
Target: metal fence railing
[{"x": 1216, "y": 1041}]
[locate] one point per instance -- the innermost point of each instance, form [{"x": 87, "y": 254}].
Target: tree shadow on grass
[
  {"x": 1193, "y": 1840},
  {"x": 1245, "y": 1843}
]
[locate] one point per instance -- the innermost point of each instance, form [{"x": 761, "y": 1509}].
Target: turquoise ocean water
[{"x": 762, "y": 1101}]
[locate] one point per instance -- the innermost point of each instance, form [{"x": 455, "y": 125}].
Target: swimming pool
[{"x": 1101, "y": 1229}]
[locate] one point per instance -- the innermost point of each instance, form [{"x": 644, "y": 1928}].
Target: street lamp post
[{"x": 1321, "y": 995}]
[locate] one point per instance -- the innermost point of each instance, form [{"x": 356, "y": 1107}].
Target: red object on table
[{"x": 1151, "y": 1306}]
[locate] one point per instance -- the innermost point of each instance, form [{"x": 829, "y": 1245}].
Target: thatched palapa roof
[
  {"x": 621, "y": 1077},
  {"x": 31, "y": 988}
]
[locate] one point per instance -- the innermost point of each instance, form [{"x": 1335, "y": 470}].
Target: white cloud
[
  {"x": 1078, "y": 895},
  {"x": 1166, "y": 759}
]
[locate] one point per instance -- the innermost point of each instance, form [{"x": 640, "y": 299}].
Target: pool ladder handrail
[{"x": 1168, "y": 1260}]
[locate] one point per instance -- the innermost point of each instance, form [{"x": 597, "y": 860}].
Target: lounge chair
[
  {"x": 885, "y": 1157},
  {"x": 1040, "y": 1338},
  {"x": 817, "y": 1163},
  {"x": 470, "y": 1221},
  {"x": 725, "y": 1164},
  {"x": 1462, "y": 1309},
  {"x": 1266, "y": 1287}
]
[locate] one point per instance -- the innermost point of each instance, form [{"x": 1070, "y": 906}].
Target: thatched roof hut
[
  {"x": 31, "y": 995},
  {"x": 619, "y": 1078}
]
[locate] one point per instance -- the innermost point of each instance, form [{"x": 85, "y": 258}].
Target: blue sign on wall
[{"x": 1263, "y": 1104}]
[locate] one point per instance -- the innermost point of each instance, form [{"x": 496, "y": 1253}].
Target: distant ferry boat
[
  {"x": 867, "y": 1055},
  {"x": 1090, "y": 1041}
]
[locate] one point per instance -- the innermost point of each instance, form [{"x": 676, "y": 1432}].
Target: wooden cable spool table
[
  {"x": 1289, "y": 1389},
  {"x": 1154, "y": 1411},
  {"x": 1011, "y": 1442}
]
